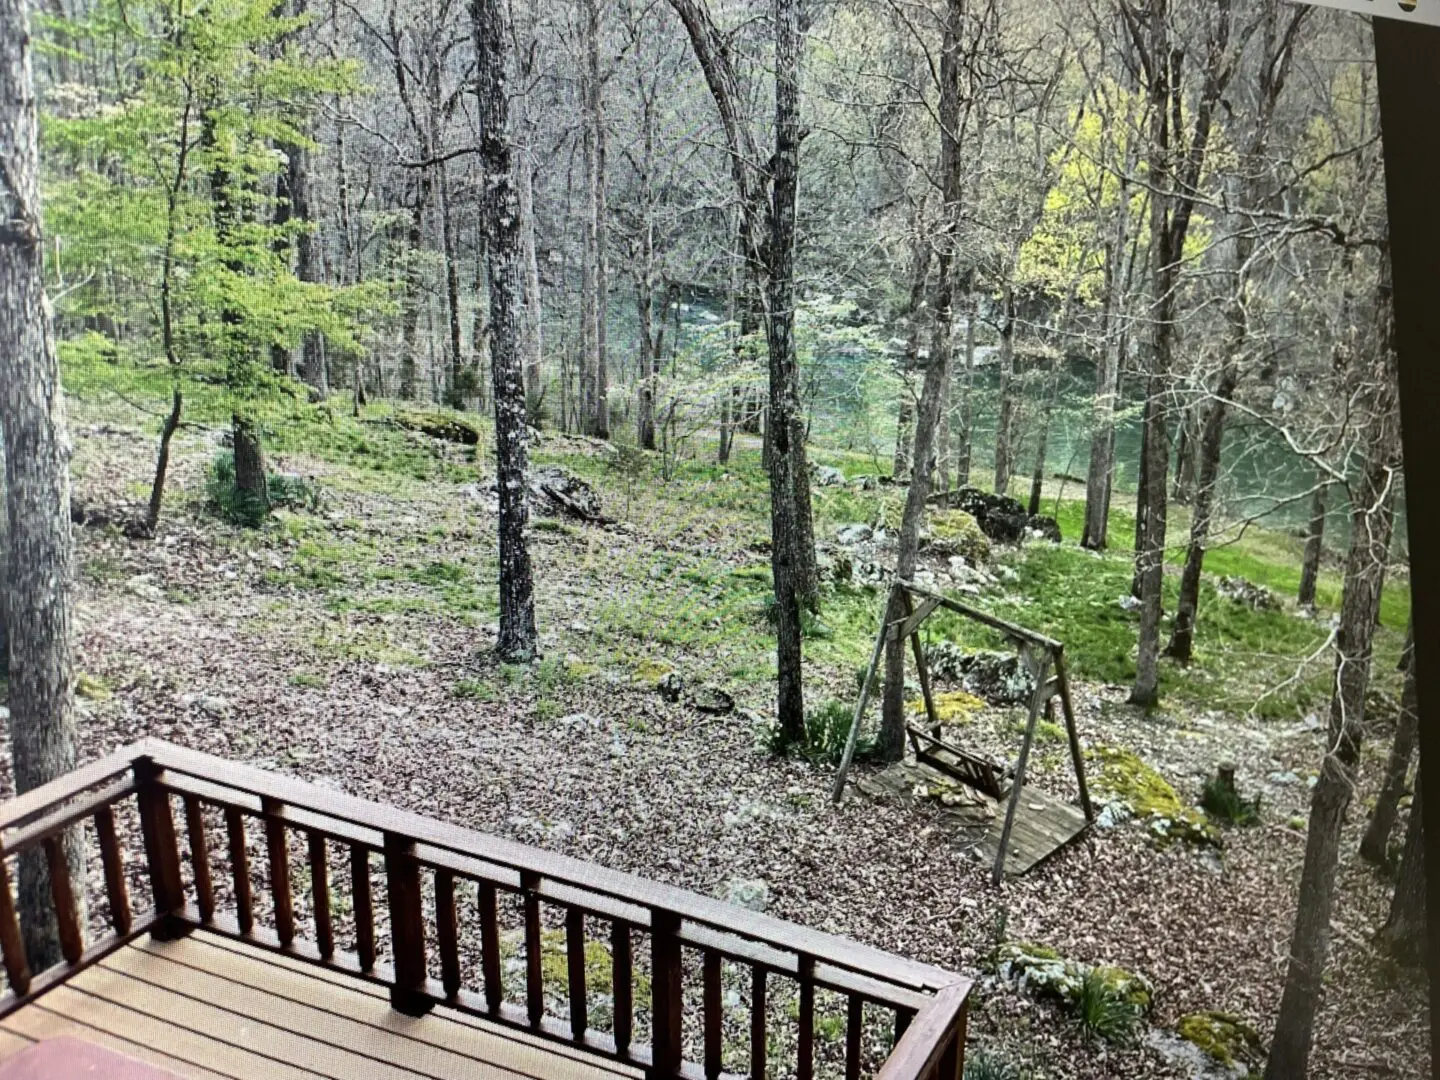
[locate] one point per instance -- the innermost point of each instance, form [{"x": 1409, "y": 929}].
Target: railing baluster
[
  {"x": 320, "y": 896},
  {"x": 534, "y": 970},
  {"x": 199, "y": 858},
  {"x": 110, "y": 858},
  {"x": 805, "y": 1050},
  {"x": 447, "y": 932},
  {"x": 364, "y": 907},
  {"x": 407, "y": 926},
  {"x": 157, "y": 823},
  {"x": 240, "y": 868},
  {"x": 279, "y": 872},
  {"x": 714, "y": 1014},
  {"x": 67, "y": 921},
  {"x": 575, "y": 965},
  {"x": 10, "y": 941},
  {"x": 902, "y": 1021},
  {"x": 490, "y": 946},
  {"x": 758, "y": 1054},
  {"x": 854, "y": 1032},
  {"x": 622, "y": 963},
  {"x": 665, "y": 990}
]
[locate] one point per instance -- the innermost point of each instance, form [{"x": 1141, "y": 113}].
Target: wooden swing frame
[{"x": 1044, "y": 657}]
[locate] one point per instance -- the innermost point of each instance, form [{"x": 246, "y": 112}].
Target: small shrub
[
  {"x": 1223, "y": 803},
  {"x": 242, "y": 507},
  {"x": 472, "y": 690},
  {"x": 1103, "y": 1011},
  {"x": 987, "y": 1065},
  {"x": 999, "y": 935}
]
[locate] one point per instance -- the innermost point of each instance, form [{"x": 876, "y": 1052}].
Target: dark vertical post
[
  {"x": 805, "y": 1047},
  {"x": 364, "y": 906},
  {"x": 534, "y": 969},
  {"x": 279, "y": 873},
  {"x": 1409, "y": 86},
  {"x": 854, "y": 1035},
  {"x": 320, "y": 896},
  {"x": 407, "y": 926},
  {"x": 490, "y": 946},
  {"x": 115, "y": 890},
  {"x": 665, "y": 990},
  {"x": 239, "y": 868},
  {"x": 72, "y": 939},
  {"x": 199, "y": 858},
  {"x": 575, "y": 964},
  {"x": 447, "y": 932},
  {"x": 623, "y": 976},
  {"x": 17, "y": 968},
  {"x": 157, "y": 824},
  {"x": 758, "y": 1048}
]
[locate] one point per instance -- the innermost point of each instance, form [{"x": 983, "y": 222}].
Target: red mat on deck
[{"x": 65, "y": 1058}]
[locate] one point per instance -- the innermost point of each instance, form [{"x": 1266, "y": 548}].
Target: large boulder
[
  {"x": 1000, "y": 678},
  {"x": 1001, "y": 518},
  {"x": 954, "y": 532}
]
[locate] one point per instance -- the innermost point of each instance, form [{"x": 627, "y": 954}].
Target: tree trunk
[
  {"x": 1314, "y": 545},
  {"x": 964, "y": 438},
  {"x": 1182, "y": 634},
  {"x": 308, "y": 268},
  {"x": 645, "y": 414},
  {"x": 410, "y": 298},
  {"x": 500, "y": 223},
  {"x": 933, "y": 392},
  {"x": 455, "y": 376},
  {"x": 533, "y": 334},
  {"x": 594, "y": 304},
  {"x": 37, "y": 490},
  {"x": 1375, "y": 845},
  {"x": 1404, "y": 934},
  {"x": 1007, "y": 391},
  {"x": 480, "y": 329},
  {"x": 1370, "y": 540},
  {"x": 1037, "y": 479},
  {"x": 904, "y": 428},
  {"x": 249, "y": 465},
  {"x": 785, "y": 426}
]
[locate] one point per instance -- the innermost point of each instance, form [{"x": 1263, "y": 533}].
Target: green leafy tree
[{"x": 162, "y": 185}]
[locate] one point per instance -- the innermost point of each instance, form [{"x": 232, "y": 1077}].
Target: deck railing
[{"x": 902, "y": 1019}]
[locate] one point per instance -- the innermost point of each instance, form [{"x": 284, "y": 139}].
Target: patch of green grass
[
  {"x": 308, "y": 680},
  {"x": 473, "y": 690},
  {"x": 1103, "y": 1012}
]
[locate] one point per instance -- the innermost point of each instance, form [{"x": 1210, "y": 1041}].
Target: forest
[{"x": 523, "y": 413}]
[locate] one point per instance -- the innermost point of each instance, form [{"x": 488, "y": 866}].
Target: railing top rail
[
  {"x": 24, "y": 808},
  {"x": 612, "y": 884}
]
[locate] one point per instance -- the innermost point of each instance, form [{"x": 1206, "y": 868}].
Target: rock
[
  {"x": 1285, "y": 779},
  {"x": 1112, "y": 815},
  {"x": 954, "y": 532},
  {"x": 753, "y": 894},
  {"x": 865, "y": 483},
  {"x": 1042, "y": 970},
  {"x": 143, "y": 586},
  {"x": 1150, "y": 797},
  {"x": 670, "y": 685},
  {"x": 1041, "y": 527},
  {"x": 854, "y": 533},
  {"x": 1000, "y": 517},
  {"x": 1225, "y": 1037},
  {"x": 1129, "y": 603},
  {"x": 827, "y": 476},
  {"x": 1247, "y": 593},
  {"x": 997, "y": 677},
  {"x": 554, "y": 489}
]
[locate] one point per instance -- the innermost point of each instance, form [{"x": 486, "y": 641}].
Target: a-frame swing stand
[{"x": 1040, "y": 825}]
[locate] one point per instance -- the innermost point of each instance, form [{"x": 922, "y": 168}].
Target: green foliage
[
  {"x": 243, "y": 507},
  {"x": 1226, "y": 805},
  {"x": 1103, "y": 1011},
  {"x": 990, "y": 1065}
]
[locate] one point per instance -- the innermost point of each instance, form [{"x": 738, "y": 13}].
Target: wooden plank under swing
[{"x": 1033, "y": 825}]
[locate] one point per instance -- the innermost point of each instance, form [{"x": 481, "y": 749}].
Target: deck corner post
[
  {"x": 407, "y": 927},
  {"x": 162, "y": 852},
  {"x": 665, "y": 996}
]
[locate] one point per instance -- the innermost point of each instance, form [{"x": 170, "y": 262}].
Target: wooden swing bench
[{"x": 1035, "y": 828}]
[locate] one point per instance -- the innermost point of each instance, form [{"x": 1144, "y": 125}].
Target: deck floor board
[{"x": 208, "y": 1008}]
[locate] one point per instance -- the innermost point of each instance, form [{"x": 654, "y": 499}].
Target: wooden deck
[{"x": 208, "y": 1007}]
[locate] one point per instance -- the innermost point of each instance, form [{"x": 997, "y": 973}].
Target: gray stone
[
  {"x": 753, "y": 894},
  {"x": 855, "y": 533}
]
